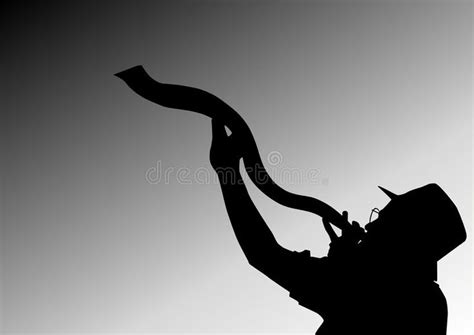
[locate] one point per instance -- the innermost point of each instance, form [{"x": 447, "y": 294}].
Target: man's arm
[{"x": 254, "y": 236}]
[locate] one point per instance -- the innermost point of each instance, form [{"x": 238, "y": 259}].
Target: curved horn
[{"x": 199, "y": 101}]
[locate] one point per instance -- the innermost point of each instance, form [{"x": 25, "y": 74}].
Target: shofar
[{"x": 202, "y": 102}]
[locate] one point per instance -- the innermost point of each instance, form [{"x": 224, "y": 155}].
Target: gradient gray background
[{"x": 367, "y": 93}]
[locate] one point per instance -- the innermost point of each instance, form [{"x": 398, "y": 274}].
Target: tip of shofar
[{"x": 126, "y": 74}]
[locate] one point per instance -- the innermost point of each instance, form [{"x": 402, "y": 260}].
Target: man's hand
[
  {"x": 350, "y": 237},
  {"x": 225, "y": 151}
]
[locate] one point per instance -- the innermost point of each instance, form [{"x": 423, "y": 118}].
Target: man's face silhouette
[
  {"x": 385, "y": 233},
  {"x": 384, "y": 217}
]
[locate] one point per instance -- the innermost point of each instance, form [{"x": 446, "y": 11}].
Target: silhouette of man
[{"x": 377, "y": 280}]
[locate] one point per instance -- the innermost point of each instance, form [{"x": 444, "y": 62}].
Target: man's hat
[
  {"x": 435, "y": 227},
  {"x": 391, "y": 195}
]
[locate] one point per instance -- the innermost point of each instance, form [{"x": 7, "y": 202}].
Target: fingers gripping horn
[{"x": 202, "y": 102}]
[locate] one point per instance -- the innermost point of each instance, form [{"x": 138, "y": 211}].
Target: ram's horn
[{"x": 199, "y": 101}]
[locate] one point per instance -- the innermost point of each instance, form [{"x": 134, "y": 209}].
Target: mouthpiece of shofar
[{"x": 202, "y": 102}]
